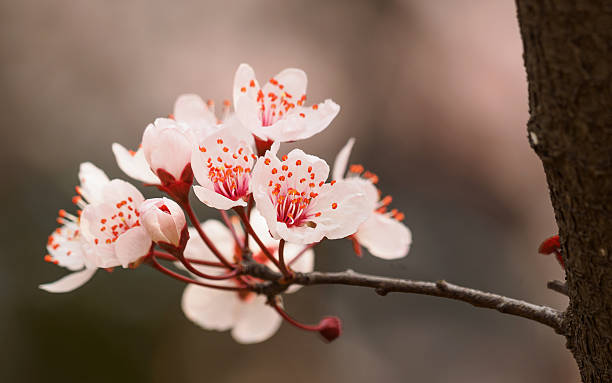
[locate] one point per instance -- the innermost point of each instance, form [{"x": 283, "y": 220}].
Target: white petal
[
  {"x": 172, "y": 152},
  {"x": 257, "y": 322},
  {"x": 191, "y": 109},
  {"x": 304, "y": 264},
  {"x": 342, "y": 160},
  {"x": 352, "y": 207},
  {"x": 101, "y": 254},
  {"x": 209, "y": 308},
  {"x": 295, "y": 127},
  {"x": 242, "y": 79},
  {"x": 384, "y": 237},
  {"x": 216, "y": 200},
  {"x": 118, "y": 190},
  {"x": 69, "y": 282},
  {"x": 132, "y": 244},
  {"x": 293, "y": 80},
  {"x": 258, "y": 222},
  {"x": 247, "y": 112},
  {"x": 92, "y": 181},
  {"x": 135, "y": 166}
]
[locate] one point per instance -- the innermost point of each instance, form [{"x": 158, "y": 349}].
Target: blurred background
[{"x": 434, "y": 92}]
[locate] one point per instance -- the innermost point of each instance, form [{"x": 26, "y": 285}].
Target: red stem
[
  {"x": 182, "y": 278},
  {"x": 286, "y": 317},
  {"x": 170, "y": 257},
  {"x": 264, "y": 249},
  {"x": 196, "y": 223},
  {"x": 232, "y": 229},
  {"x": 281, "y": 260},
  {"x": 232, "y": 274},
  {"x": 298, "y": 255}
]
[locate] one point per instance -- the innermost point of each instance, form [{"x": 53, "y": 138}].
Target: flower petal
[
  {"x": 343, "y": 207},
  {"x": 384, "y": 237},
  {"x": 69, "y": 282},
  {"x": 211, "y": 309},
  {"x": 341, "y": 161},
  {"x": 293, "y": 82},
  {"x": 256, "y": 322},
  {"x": 242, "y": 84},
  {"x": 92, "y": 181},
  {"x": 132, "y": 244},
  {"x": 134, "y": 164},
  {"x": 216, "y": 200},
  {"x": 191, "y": 109},
  {"x": 302, "y": 123}
]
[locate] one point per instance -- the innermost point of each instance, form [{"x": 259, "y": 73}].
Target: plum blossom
[
  {"x": 66, "y": 245},
  {"x": 277, "y": 112},
  {"x": 248, "y": 316},
  {"x": 383, "y": 233},
  {"x": 164, "y": 220},
  {"x": 222, "y": 165},
  {"x": 112, "y": 228},
  {"x": 297, "y": 203}
]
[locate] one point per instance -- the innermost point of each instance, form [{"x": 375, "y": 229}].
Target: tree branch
[{"x": 382, "y": 285}]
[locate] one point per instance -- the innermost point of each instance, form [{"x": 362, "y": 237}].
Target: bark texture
[{"x": 567, "y": 57}]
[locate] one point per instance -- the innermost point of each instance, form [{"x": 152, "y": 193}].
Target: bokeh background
[{"x": 434, "y": 92}]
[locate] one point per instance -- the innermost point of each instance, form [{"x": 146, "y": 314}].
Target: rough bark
[{"x": 567, "y": 57}]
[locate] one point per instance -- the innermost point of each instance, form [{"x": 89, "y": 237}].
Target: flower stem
[
  {"x": 272, "y": 302},
  {"x": 232, "y": 229},
  {"x": 245, "y": 220},
  {"x": 196, "y": 224},
  {"x": 298, "y": 255},
  {"x": 170, "y": 257},
  {"x": 183, "y": 278},
  {"x": 281, "y": 260}
]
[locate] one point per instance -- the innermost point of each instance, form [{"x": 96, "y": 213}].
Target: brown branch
[
  {"x": 558, "y": 286},
  {"x": 383, "y": 286}
]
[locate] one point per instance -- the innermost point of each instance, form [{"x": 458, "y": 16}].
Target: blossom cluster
[{"x": 274, "y": 208}]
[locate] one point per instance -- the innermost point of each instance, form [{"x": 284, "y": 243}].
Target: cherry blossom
[
  {"x": 297, "y": 203},
  {"x": 112, "y": 227},
  {"x": 383, "y": 233},
  {"x": 65, "y": 245},
  {"x": 222, "y": 165},
  {"x": 164, "y": 220},
  {"x": 277, "y": 112},
  {"x": 246, "y": 314}
]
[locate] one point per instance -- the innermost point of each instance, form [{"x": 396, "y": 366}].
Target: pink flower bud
[
  {"x": 166, "y": 145},
  {"x": 330, "y": 328},
  {"x": 164, "y": 220}
]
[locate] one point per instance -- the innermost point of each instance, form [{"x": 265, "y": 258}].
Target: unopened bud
[
  {"x": 330, "y": 328},
  {"x": 164, "y": 220}
]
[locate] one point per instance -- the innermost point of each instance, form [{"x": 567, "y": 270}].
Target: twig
[
  {"x": 383, "y": 286},
  {"x": 557, "y": 286}
]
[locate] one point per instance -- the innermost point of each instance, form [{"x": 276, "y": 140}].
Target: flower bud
[
  {"x": 166, "y": 145},
  {"x": 330, "y": 328},
  {"x": 164, "y": 220}
]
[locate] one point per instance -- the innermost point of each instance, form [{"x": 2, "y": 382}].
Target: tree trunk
[{"x": 567, "y": 57}]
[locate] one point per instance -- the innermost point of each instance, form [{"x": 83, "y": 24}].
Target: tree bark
[{"x": 567, "y": 58}]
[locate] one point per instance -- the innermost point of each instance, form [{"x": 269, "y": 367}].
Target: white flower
[
  {"x": 297, "y": 203},
  {"x": 165, "y": 151},
  {"x": 112, "y": 228},
  {"x": 167, "y": 147},
  {"x": 164, "y": 220},
  {"x": 276, "y": 112},
  {"x": 65, "y": 245},
  {"x": 246, "y": 314},
  {"x": 382, "y": 233},
  {"x": 222, "y": 165}
]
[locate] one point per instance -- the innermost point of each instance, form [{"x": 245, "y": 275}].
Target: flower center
[{"x": 124, "y": 217}]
